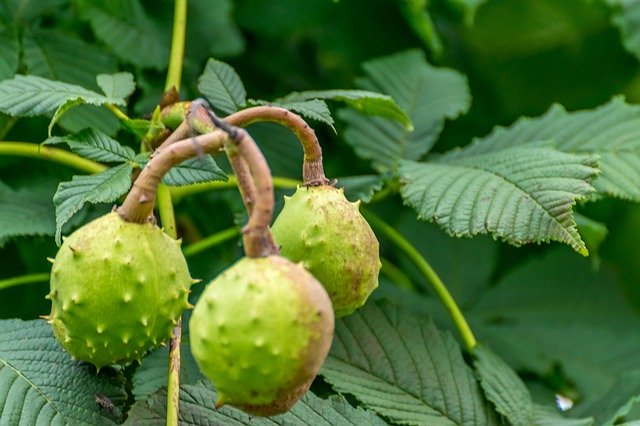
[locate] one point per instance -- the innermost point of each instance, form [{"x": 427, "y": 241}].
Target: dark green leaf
[
  {"x": 369, "y": 103},
  {"x": 152, "y": 374},
  {"x": 626, "y": 19},
  {"x": 402, "y": 367},
  {"x": 555, "y": 311},
  {"x": 95, "y": 145},
  {"x": 42, "y": 384},
  {"x": 63, "y": 109},
  {"x": 59, "y": 56},
  {"x": 215, "y": 23},
  {"x": 9, "y": 54},
  {"x": 611, "y": 131},
  {"x": 31, "y": 95},
  {"x": 616, "y": 403},
  {"x": 503, "y": 387},
  {"x": 222, "y": 86},
  {"x": 360, "y": 187},
  {"x": 429, "y": 95},
  {"x": 104, "y": 187},
  {"x": 119, "y": 85},
  {"x": 126, "y": 28},
  {"x": 197, "y": 408},
  {"x": 26, "y": 11},
  {"x": 419, "y": 19},
  {"x": 24, "y": 212}
]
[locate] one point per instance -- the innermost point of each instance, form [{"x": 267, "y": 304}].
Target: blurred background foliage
[{"x": 519, "y": 56}]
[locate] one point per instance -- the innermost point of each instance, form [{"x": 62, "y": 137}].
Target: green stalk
[
  {"x": 427, "y": 271},
  {"x": 165, "y": 205},
  {"x": 24, "y": 279},
  {"x": 174, "y": 73},
  {"x": 178, "y": 193},
  {"x": 25, "y": 149},
  {"x": 212, "y": 241}
]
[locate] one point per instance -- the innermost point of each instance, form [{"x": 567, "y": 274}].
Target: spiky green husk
[
  {"x": 260, "y": 332},
  {"x": 319, "y": 227},
  {"x": 117, "y": 289}
]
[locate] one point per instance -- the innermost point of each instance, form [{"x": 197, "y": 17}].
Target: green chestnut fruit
[
  {"x": 260, "y": 332},
  {"x": 319, "y": 227},
  {"x": 117, "y": 289}
]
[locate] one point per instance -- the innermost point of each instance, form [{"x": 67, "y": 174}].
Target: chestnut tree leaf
[
  {"x": 9, "y": 54},
  {"x": 128, "y": 30},
  {"x": 31, "y": 95},
  {"x": 616, "y": 402},
  {"x": 495, "y": 375},
  {"x": 25, "y": 212},
  {"x": 555, "y": 311},
  {"x": 427, "y": 94},
  {"x": 521, "y": 194},
  {"x": 222, "y": 86},
  {"x": 611, "y": 131},
  {"x": 103, "y": 187},
  {"x": 151, "y": 376},
  {"x": 95, "y": 145},
  {"x": 61, "y": 56},
  {"x": 193, "y": 170},
  {"x": 314, "y": 109},
  {"x": 625, "y": 18},
  {"x": 402, "y": 367},
  {"x": 366, "y": 102},
  {"x": 118, "y": 85},
  {"x": 42, "y": 384},
  {"x": 197, "y": 409}
]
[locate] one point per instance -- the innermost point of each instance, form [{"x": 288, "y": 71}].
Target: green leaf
[
  {"x": 95, "y": 145},
  {"x": 27, "y": 11},
  {"x": 118, "y": 85},
  {"x": 24, "y": 212},
  {"x": 522, "y": 194},
  {"x": 9, "y": 54},
  {"x": 314, "y": 109},
  {"x": 62, "y": 109},
  {"x": 429, "y": 95},
  {"x": 549, "y": 416},
  {"x": 611, "y": 131},
  {"x": 555, "y": 311},
  {"x": 360, "y": 187},
  {"x": 42, "y": 384},
  {"x": 593, "y": 233},
  {"x": 216, "y": 23},
  {"x": 616, "y": 403},
  {"x": 91, "y": 116},
  {"x": 468, "y": 8},
  {"x": 194, "y": 170},
  {"x": 369, "y": 103},
  {"x": 402, "y": 367},
  {"x": 626, "y": 19},
  {"x": 419, "y": 19},
  {"x": 503, "y": 387},
  {"x": 197, "y": 408},
  {"x": 151, "y": 376},
  {"x": 31, "y": 95},
  {"x": 55, "y": 55},
  {"x": 126, "y": 28},
  {"x": 104, "y": 187},
  {"x": 222, "y": 86}
]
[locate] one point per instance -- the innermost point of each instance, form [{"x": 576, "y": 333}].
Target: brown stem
[
  {"x": 312, "y": 168},
  {"x": 138, "y": 206},
  {"x": 257, "y": 238},
  {"x": 243, "y": 175}
]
